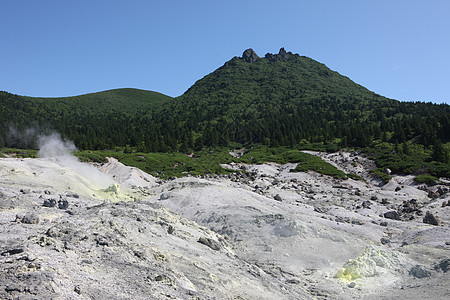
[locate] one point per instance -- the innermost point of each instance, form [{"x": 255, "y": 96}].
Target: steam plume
[{"x": 53, "y": 147}]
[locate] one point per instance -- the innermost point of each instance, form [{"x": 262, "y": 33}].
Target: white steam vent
[
  {"x": 60, "y": 150},
  {"x": 54, "y": 146}
]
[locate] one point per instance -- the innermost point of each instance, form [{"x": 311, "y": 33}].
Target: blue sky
[{"x": 399, "y": 49}]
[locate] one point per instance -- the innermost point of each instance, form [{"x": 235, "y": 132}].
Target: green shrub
[
  {"x": 383, "y": 176},
  {"x": 425, "y": 178}
]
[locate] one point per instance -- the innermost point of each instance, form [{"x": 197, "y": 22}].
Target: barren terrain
[{"x": 74, "y": 231}]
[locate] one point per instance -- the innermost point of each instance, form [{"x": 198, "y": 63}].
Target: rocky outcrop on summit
[
  {"x": 281, "y": 56},
  {"x": 249, "y": 55}
]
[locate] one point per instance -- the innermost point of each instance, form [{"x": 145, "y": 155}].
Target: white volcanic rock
[
  {"x": 128, "y": 176},
  {"x": 127, "y": 235}
]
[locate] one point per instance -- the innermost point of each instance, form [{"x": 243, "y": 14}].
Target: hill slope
[{"x": 88, "y": 119}]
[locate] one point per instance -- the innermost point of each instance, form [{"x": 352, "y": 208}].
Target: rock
[
  {"x": 432, "y": 194},
  {"x": 384, "y": 241},
  {"x": 63, "y": 204},
  {"x": 384, "y": 201},
  {"x": 384, "y": 224},
  {"x": 441, "y": 191},
  {"x": 430, "y": 219},
  {"x": 387, "y": 171},
  {"x": 293, "y": 281},
  {"x": 30, "y": 218},
  {"x": 73, "y": 195},
  {"x": 281, "y": 56},
  {"x": 357, "y": 222},
  {"x": 102, "y": 241},
  {"x": 366, "y": 204},
  {"x": 393, "y": 215},
  {"x": 443, "y": 265},
  {"x": 321, "y": 210},
  {"x": 444, "y": 204},
  {"x": 410, "y": 206},
  {"x": 249, "y": 56},
  {"x": 164, "y": 196},
  {"x": 398, "y": 189},
  {"x": 210, "y": 243},
  {"x": 373, "y": 198},
  {"x": 352, "y": 284},
  {"x": 164, "y": 279},
  {"x": 12, "y": 251},
  {"x": 77, "y": 289},
  {"x": 419, "y": 272},
  {"x": 278, "y": 197},
  {"x": 49, "y": 203}
]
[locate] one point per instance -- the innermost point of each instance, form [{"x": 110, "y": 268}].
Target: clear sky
[{"x": 397, "y": 48}]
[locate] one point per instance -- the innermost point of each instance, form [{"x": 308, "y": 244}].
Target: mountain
[{"x": 281, "y": 99}]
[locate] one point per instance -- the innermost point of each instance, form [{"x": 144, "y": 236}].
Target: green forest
[{"x": 280, "y": 100}]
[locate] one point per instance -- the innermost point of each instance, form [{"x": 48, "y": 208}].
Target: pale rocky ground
[{"x": 70, "y": 231}]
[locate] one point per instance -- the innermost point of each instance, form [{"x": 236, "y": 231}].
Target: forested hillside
[
  {"x": 284, "y": 98},
  {"x": 93, "y": 121},
  {"x": 281, "y": 99}
]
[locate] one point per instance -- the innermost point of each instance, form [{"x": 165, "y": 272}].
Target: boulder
[
  {"x": 432, "y": 194},
  {"x": 366, "y": 204},
  {"x": 442, "y": 190},
  {"x": 393, "y": 215},
  {"x": 430, "y": 219},
  {"x": 63, "y": 204},
  {"x": 30, "y": 218},
  {"x": 278, "y": 197},
  {"x": 49, "y": 203},
  {"x": 164, "y": 196},
  {"x": 210, "y": 243},
  {"x": 443, "y": 265},
  {"x": 419, "y": 272},
  {"x": 384, "y": 241}
]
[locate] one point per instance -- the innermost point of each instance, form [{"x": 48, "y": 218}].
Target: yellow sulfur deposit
[{"x": 372, "y": 262}]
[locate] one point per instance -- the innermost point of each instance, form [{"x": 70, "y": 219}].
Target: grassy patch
[
  {"x": 306, "y": 162},
  {"x": 383, "y": 176},
  {"x": 310, "y": 162},
  {"x": 20, "y": 153},
  {"x": 91, "y": 156},
  {"x": 165, "y": 165},
  {"x": 425, "y": 178}
]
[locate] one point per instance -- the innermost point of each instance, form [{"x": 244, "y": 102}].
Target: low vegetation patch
[
  {"x": 382, "y": 175},
  {"x": 425, "y": 178},
  {"x": 306, "y": 162},
  {"x": 207, "y": 161},
  {"x": 19, "y": 153}
]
